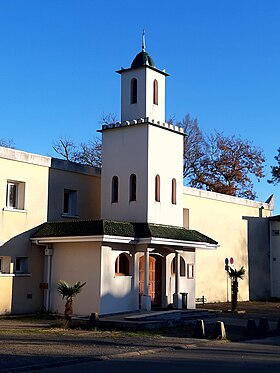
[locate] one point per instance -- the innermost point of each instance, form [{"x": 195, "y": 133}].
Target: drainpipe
[
  {"x": 47, "y": 273},
  {"x": 48, "y": 255}
]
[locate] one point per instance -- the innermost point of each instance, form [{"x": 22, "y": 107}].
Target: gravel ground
[{"x": 33, "y": 343}]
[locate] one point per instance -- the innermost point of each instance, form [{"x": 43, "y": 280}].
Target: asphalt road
[{"x": 229, "y": 358}]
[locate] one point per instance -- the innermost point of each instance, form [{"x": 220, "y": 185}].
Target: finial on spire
[{"x": 143, "y": 41}]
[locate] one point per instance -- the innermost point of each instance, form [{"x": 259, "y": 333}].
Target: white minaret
[
  {"x": 143, "y": 89},
  {"x": 142, "y": 157}
]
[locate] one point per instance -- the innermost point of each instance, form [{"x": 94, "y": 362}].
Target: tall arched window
[
  {"x": 115, "y": 189},
  {"x": 174, "y": 192},
  {"x": 155, "y": 90},
  {"x": 132, "y": 187},
  {"x": 157, "y": 188},
  {"x": 133, "y": 91}
]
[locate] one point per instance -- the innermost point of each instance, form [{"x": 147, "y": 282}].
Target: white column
[
  {"x": 145, "y": 298},
  {"x": 146, "y": 272},
  {"x": 177, "y": 296}
]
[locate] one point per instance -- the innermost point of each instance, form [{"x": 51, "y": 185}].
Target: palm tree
[
  {"x": 69, "y": 292},
  {"x": 235, "y": 274}
]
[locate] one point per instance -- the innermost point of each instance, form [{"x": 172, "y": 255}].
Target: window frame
[
  {"x": 190, "y": 271},
  {"x": 132, "y": 187},
  {"x": 133, "y": 91},
  {"x": 115, "y": 190},
  {"x": 18, "y": 202},
  {"x": 155, "y": 92},
  {"x": 174, "y": 192},
  {"x": 157, "y": 188},
  {"x": 72, "y": 203},
  {"x": 21, "y": 264},
  {"x": 122, "y": 265}
]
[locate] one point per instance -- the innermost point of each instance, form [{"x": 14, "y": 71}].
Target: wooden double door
[{"x": 155, "y": 273}]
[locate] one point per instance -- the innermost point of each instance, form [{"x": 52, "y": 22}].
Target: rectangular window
[
  {"x": 186, "y": 218},
  {"x": 1, "y": 265},
  {"x": 190, "y": 270},
  {"x": 21, "y": 265},
  {"x": 15, "y": 195},
  {"x": 70, "y": 202}
]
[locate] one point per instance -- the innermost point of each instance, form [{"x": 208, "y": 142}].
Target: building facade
[{"x": 131, "y": 231}]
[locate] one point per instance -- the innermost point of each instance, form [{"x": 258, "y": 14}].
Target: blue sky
[{"x": 58, "y": 60}]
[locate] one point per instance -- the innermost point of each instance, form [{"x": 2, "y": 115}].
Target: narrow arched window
[
  {"x": 133, "y": 91},
  {"x": 182, "y": 266},
  {"x": 174, "y": 192},
  {"x": 115, "y": 189},
  {"x": 157, "y": 188},
  {"x": 122, "y": 265},
  {"x": 132, "y": 187},
  {"x": 155, "y": 90}
]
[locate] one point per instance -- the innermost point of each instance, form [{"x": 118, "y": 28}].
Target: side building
[{"x": 33, "y": 190}]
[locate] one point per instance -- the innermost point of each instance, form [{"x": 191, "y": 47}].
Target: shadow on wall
[
  {"x": 258, "y": 257},
  {"x": 26, "y": 273},
  {"x": 112, "y": 304}
]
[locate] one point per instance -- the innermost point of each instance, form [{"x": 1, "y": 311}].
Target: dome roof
[{"x": 142, "y": 59}]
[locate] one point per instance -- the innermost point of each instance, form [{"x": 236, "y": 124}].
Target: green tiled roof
[{"x": 117, "y": 228}]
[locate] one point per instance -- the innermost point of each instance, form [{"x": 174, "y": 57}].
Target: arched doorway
[{"x": 154, "y": 289}]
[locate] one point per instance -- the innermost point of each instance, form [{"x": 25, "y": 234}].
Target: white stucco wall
[
  {"x": 186, "y": 285},
  {"x": 145, "y": 150},
  {"x": 125, "y": 152},
  {"x": 228, "y": 220},
  {"x": 144, "y": 106},
  {"x": 168, "y": 164},
  {"x": 118, "y": 293},
  {"x": 74, "y": 262}
]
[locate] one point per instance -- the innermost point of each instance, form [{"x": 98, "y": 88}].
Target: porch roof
[{"x": 136, "y": 231}]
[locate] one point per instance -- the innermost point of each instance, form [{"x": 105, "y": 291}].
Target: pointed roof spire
[{"x": 143, "y": 41}]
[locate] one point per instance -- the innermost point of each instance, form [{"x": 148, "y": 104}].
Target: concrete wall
[
  {"x": 187, "y": 285},
  {"x": 146, "y": 151},
  {"x": 16, "y": 225},
  {"x": 32, "y": 170},
  {"x": 118, "y": 293},
  {"x": 225, "y": 219},
  {"x": 125, "y": 152},
  {"x": 168, "y": 164},
  {"x": 275, "y": 258},
  {"x": 72, "y": 262},
  {"x": 6, "y": 286},
  {"x": 84, "y": 180},
  {"x": 144, "y": 106}
]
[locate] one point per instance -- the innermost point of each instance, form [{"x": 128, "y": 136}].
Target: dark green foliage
[{"x": 275, "y": 170}]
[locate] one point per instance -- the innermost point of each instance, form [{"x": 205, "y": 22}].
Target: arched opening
[
  {"x": 174, "y": 192},
  {"x": 155, "y": 278},
  {"x": 122, "y": 265},
  {"x": 133, "y": 91},
  {"x": 157, "y": 188},
  {"x": 182, "y": 266},
  {"x": 132, "y": 187},
  {"x": 155, "y": 91},
  {"x": 115, "y": 189}
]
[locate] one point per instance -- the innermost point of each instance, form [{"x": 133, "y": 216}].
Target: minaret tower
[
  {"x": 143, "y": 89},
  {"x": 142, "y": 156}
]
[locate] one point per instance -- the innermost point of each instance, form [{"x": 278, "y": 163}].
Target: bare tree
[{"x": 7, "y": 143}]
